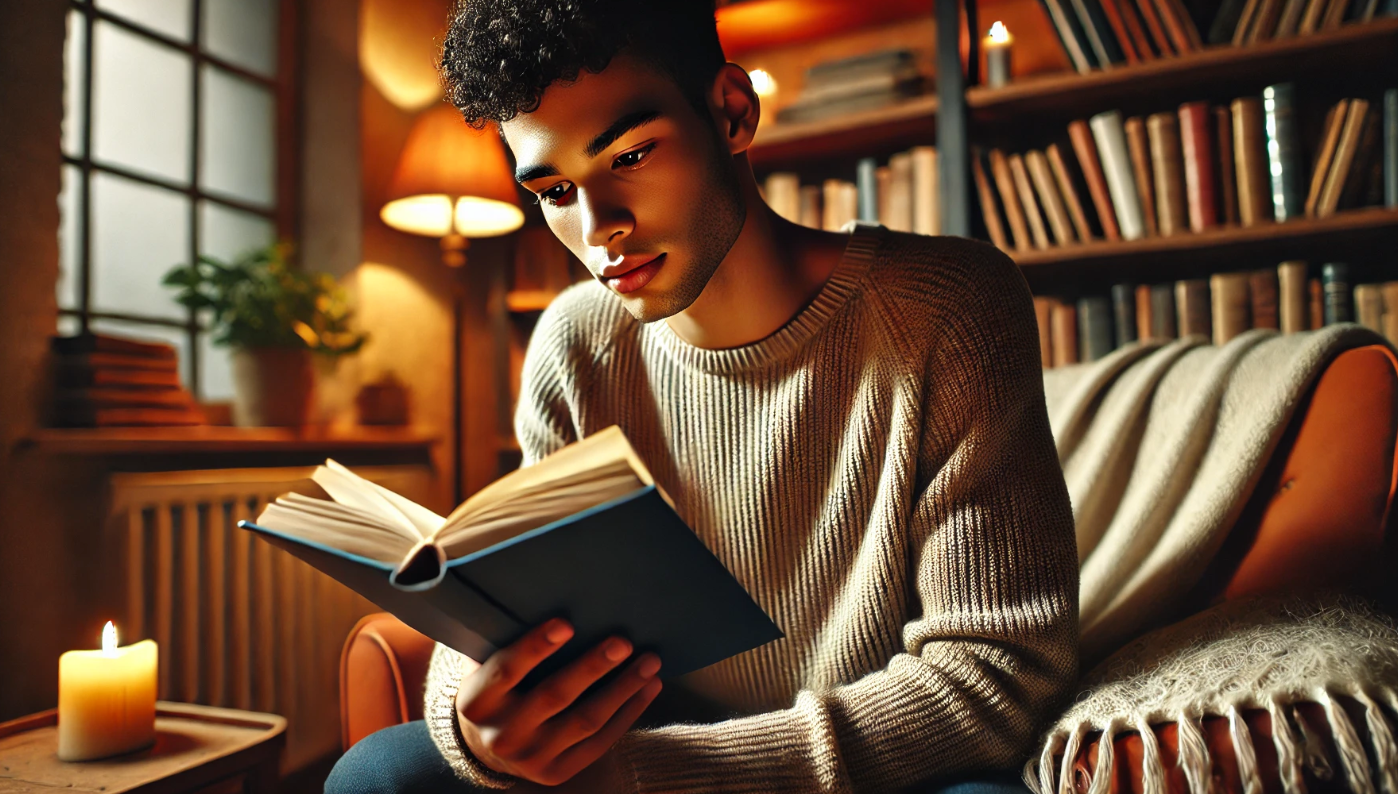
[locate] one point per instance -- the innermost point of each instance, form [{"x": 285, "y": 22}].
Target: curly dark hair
[{"x": 500, "y": 55}]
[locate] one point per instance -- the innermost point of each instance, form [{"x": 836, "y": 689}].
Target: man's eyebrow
[
  {"x": 619, "y": 128},
  {"x": 535, "y": 172}
]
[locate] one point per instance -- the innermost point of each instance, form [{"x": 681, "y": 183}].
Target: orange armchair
[{"x": 1318, "y": 517}]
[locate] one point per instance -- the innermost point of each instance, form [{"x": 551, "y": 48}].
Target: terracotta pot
[{"x": 272, "y": 387}]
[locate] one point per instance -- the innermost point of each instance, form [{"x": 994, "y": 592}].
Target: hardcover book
[
  {"x": 1283, "y": 151},
  {"x": 1116, "y": 162},
  {"x": 1167, "y": 166},
  {"x": 1138, "y": 144},
  {"x": 1197, "y": 146},
  {"x": 1291, "y": 281},
  {"x": 584, "y": 534},
  {"x": 1026, "y": 198},
  {"x": 1086, "y": 149}
]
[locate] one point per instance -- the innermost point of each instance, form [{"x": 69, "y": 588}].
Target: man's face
[{"x": 637, "y": 185}]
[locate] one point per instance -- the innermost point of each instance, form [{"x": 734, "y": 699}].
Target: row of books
[
  {"x": 106, "y": 381},
  {"x": 902, "y": 195},
  {"x": 1100, "y": 34},
  {"x": 1220, "y": 307},
  {"x": 1189, "y": 170},
  {"x": 855, "y": 85}
]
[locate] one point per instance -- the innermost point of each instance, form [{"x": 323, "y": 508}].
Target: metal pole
[{"x": 953, "y": 146}]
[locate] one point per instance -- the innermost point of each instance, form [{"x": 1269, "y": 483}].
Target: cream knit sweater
[{"x": 880, "y": 476}]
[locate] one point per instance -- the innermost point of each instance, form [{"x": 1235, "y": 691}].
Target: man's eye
[
  {"x": 633, "y": 158},
  {"x": 556, "y": 194}
]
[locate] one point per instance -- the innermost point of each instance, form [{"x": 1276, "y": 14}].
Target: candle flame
[
  {"x": 999, "y": 33},
  {"x": 762, "y": 82},
  {"x": 109, "y": 638}
]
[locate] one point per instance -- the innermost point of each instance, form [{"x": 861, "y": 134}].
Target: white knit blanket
[{"x": 1161, "y": 447}]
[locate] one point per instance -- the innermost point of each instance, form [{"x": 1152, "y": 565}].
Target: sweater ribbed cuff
[{"x": 439, "y": 711}]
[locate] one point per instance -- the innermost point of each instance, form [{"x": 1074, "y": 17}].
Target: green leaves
[{"x": 260, "y": 300}]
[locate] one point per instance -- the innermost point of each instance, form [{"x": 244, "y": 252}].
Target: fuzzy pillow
[{"x": 1272, "y": 654}]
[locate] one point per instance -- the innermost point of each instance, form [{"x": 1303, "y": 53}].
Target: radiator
[{"x": 239, "y": 623}]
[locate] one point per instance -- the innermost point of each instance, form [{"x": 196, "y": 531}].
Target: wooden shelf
[
  {"x": 872, "y": 133},
  {"x": 762, "y": 24},
  {"x": 1216, "y": 73},
  {"x": 525, "y": 301},
  {"x": 1190, "y": 255},
  {"x": 221, "y": 440}
]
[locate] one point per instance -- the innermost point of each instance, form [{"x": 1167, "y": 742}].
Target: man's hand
[{"x": 547, "y": 735}]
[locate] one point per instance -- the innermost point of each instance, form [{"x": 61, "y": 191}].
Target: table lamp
[{"x": 453, "y": 182}]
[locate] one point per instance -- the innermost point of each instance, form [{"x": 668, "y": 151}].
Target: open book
[{"x": 584, "y": 534}]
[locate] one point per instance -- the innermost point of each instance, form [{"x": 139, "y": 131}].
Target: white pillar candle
[
  {"x": 997, "y": 55},
  {"x": 106, "y": 699}
]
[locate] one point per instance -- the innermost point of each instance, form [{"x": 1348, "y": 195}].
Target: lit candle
[
  {"x": 997, "y": 54},
  {"x": 106, "y": 699}
]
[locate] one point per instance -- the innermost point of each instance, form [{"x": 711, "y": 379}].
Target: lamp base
[{"x": 454, "y": 250}]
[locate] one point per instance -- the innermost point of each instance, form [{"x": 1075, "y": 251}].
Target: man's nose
[{"x": 604, "y": 220}]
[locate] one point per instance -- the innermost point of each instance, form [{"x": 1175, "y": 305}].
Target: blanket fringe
[
  {"x": 1385, "y": 748},
  {"x": 1194, "y": 755},
  {"x": 1351, "y": 751},
  {"x": 1106, "y": 758},
  {"x": 1313, "y": 754},
  {"x": 1247, "y": 754},
  {"x": 1288, "y": 750},
  {"x": 1038, "y": 772},
  {"x": 1070, "y": 754}
]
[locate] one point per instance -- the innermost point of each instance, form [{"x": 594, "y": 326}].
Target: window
[{"x": 170, "y": 151}]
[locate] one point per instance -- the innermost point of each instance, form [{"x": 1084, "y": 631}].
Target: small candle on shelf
[
  {"x": 106, "y": 699},
  {"x": 997, "y": 54}
]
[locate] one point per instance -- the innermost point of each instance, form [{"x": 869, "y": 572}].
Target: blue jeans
[{"x": 403, "y": 760}]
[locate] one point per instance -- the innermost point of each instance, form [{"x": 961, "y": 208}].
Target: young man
[{"x": 853, "y": 423}]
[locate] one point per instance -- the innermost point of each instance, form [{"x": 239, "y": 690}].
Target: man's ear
[{"x": 735, "y": 106}]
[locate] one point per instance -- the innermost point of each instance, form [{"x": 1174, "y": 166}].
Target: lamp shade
[{"x": 452, "y": 179}]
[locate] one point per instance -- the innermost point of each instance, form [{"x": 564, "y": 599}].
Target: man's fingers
[
  {"x": 588, "y": 717},
  {"x": 579, "y": 756},
  {"x": 492, "y": 682},
  {"x": 562, "y": 688}
]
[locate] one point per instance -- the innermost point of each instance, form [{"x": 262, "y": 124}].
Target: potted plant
[{"x": 274, "y": 316}]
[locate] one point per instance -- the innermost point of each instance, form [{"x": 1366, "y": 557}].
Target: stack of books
[
  {"x": 1288, "y": 298},
  {"x": 854, "y": 85},
  {"x": 1188, "y": 170},
  {"x": 107, "y": 381},
  {"x": 1101, "y": 34},
  {"x": 900, "y": 194}
]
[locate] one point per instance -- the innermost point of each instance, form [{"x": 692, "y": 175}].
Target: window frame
[{"x": 283, "y": 212}]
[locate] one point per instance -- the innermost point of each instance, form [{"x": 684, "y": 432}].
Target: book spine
[
  {"x": 782, "y": 191},
  {"x": 1157, "y": 31},
  {"x": 1342, "y": 164},
  {"x": 1330, "y": 139},
  {"x": 990, "y": 209},
  {"x": 1085, "y": 147},
  {"x": 841, "y": 204},
  {"x": 1226, "y": 21},
  {"x": 1009, "y": 197},
  {"x": 1124, "y": 314},
  {"x": 1179, "y": 26},
  {"x": 900, "y": 193},
  {"x": 1042, "y": 177},
  {"x": 1162, "y": 312},
  {"x": 1099, "y": 34},
  {"x": 1245, "y": 22},
  {"x": 1043, "y": 315},
  {"x": 1310, "y": 17},
  {"x": 1339, "y": 298},
  {"x": 1315, "y": 304},
  {"x": 883, "y": 177},
  {"x": 1368, "y": 306},
  {"x": 1145, "y": 320},
  {"x": 1065, "y": 334},
  {"x": 1111, "y": 9},
  {"x": 1291, "y": 280},
  {"x": 1138, "y": 145},
  {"x": 1072, "y": 45},
  {"x": 1197, "y": 144},
  {"x": 1249, "y": 157},
  {"x": 1226, "y": 176},
  {"x": 1334, "y": 14},
  {"x": 1026, "y": 198},
  {"x": 1279, "y": 107},
  {"x": 1268, "y": 12},
  {"x": 1094, "y": 328},
  {"x": 812, "y": 214},
  {"x": 1116, "y": 163},
  {"x": 927, "y": 217},
  {"x": 1135, "y": 27},
  {"x": 1069, "y": 191},
  {"x": 1262, "y": 287},
  {"x": 866, "y": 181},
  {"x": 1167, "y": 166},
  {"x": 1390, "y": 148},
  {"x": 1290, "y": 18},
  {"x": 1364, "y": 185},
  {"x": 1231, "y": 306},
  {"x": 1193, "y": 307}
]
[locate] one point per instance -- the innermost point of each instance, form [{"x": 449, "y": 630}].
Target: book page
[
  {"x": 336, "y": 526},
  {"x": 351, "y": 490}
]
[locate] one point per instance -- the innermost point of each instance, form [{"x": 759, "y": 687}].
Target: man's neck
[{"x": 774, "y": 269}]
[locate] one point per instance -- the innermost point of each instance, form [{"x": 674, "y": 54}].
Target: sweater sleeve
[
  {"x": 994, "y": 641},
  {"x": 542, "y": 424}
]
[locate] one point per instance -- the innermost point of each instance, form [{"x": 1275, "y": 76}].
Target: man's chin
[{"x": 649, "y": 309}]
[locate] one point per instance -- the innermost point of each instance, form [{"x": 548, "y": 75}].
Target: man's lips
[
  {"x": 626, "y": 265},
  {"x": 631, "y": 279}
]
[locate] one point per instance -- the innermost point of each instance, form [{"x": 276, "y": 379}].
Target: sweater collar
[{"x": 845, "y": 282}]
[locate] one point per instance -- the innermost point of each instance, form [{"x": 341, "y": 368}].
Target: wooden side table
[{"x": 198, "y": 750}]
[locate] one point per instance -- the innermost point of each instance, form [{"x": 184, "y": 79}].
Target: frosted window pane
[
  {"x": 149, "y": 333},
  {"x": 236, "y": 148},
  {"x": 216, "y": 372},
  {"x": 69, "y": 200},
  {"x": 171, "y": 17},
  {"x": 243, "y": 32},
  {"x": 138, "y": 233},
  {"x": 226, "y": 233},
  {"x": 141, "y": 104},
  {"x": 74, "y": 53}
]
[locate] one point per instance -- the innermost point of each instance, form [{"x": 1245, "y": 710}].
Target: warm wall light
[
  {"x": 762, "y": 82},
  {"x": 398, "y": 48}
]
